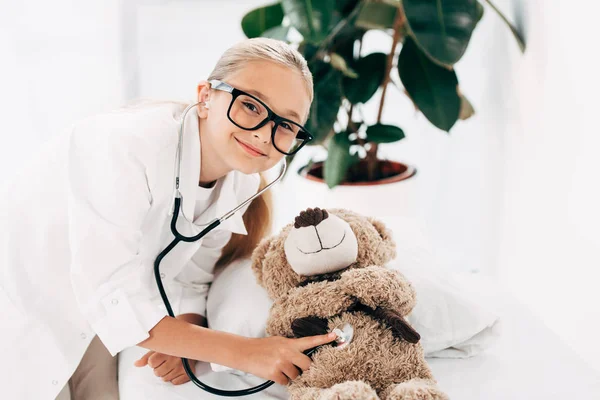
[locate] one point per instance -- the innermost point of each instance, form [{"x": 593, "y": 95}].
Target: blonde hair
[
  {"x": 257, "y": 218},
  {"x": 260, "y": 48}
]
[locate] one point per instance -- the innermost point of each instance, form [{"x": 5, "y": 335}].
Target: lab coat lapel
[{"x": 190, "y": 163}]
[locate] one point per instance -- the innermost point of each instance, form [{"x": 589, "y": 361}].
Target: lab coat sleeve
[{"x": 108, "y": 200}]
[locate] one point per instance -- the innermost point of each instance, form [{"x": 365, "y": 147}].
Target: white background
[{"x": 512, "y": 193}]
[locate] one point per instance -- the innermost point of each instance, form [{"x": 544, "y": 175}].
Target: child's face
[{"x": 282, "y": 89}]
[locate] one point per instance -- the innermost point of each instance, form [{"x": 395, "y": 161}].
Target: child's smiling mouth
[{"x": 250, "y": 150}]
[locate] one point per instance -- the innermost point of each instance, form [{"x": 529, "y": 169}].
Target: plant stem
[
  {"x": 390, "y": 59},
  {"x": 372, "y": 152},
  {"x": 351, "y": 125}
]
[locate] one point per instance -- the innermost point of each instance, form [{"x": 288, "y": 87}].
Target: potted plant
[{"x": 428, "y": 38}]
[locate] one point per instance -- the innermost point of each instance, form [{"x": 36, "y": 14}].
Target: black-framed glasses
[{"x": 250, "y": 113}]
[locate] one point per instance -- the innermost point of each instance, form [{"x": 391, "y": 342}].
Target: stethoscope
[{"x": 342, "y": 337}]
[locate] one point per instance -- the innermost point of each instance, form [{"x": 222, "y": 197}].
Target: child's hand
[
  {"x": 167, "y": 367},
  {"x": 278, "y": 358}
]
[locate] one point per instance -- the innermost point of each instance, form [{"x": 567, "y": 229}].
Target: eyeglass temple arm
[{"x": 218, "y": 85}]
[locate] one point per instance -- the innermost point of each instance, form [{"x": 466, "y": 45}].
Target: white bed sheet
[{"x": 528, "y": 362}]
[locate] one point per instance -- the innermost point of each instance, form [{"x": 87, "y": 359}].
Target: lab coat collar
[{"x": 229, "y": 196}]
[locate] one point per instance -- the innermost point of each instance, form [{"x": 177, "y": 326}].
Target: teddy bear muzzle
[{"x": 319, "y": 243}]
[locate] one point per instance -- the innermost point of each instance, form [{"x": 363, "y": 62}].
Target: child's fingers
[
  {"x": 157, "y": 359},
  {"x": 164, "y": 369},
  {"x": 175, "y": 372},
  {"x": 143, "y": 360},
  {"x": 314, "y": 341},
  {"x": 179, "y": 375},
  {"x": 180, "y": 379},
  {"x": 170, "y": 365}
]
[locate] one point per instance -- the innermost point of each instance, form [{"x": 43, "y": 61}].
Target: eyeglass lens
[{"x": 248, "y": 113}]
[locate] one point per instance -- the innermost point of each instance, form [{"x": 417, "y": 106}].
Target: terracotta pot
[{"x": 392, "y": 171}]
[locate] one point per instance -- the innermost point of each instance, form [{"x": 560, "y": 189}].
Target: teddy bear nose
[{"x": 310, "y": 217}]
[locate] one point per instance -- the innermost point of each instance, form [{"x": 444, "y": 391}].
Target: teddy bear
[{"x": 326, "y": 272}]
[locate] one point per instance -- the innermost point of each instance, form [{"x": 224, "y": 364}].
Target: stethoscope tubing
[
  {"x": 186, "y": 366},
  {"x": 182, "y": 238}
]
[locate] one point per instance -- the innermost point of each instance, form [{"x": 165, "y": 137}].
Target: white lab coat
[{"x": 81, "y": 227}]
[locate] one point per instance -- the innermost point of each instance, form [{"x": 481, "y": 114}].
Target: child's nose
[{"x": 264, "y": 133}]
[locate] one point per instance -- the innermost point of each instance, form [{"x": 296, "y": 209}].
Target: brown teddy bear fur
[{"x": 375, "y": 365}]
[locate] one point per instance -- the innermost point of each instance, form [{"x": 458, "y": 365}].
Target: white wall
[
  {"x": 60, "y": 60},
  {"x": 180, "y": 41},
  {"x": 551, "y": 246}
]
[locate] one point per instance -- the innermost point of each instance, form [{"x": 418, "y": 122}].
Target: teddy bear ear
[
  {"x": 388, "y": 245},
  {"x": 258, "y": 255}
]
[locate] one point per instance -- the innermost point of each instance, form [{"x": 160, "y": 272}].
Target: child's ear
[
  {"x": 203, "y": 98},
  {"x": 258, "y": 256}
]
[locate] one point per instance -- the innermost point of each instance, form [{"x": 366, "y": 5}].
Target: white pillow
[
  {"x": 452, "y": 316},
  {"x": 237, "y": 304}
]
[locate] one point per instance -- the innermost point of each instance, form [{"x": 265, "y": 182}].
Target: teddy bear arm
[
  {"x": 322, "y": 299},
  {"x": 379, "y": 286},
  {"x": 400, "y": 327},
  {"x": 279, "y": 325},
  {"x": 309, "y": 326}
]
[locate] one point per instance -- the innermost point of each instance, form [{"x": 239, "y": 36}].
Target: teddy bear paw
[
  {"x": 349, "y": 390},
  {"x": 414, "y": 389}
]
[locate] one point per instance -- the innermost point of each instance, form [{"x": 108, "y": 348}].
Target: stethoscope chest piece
[{"x": 344, "y": 336}]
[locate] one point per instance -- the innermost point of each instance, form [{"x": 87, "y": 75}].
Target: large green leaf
[
  {"x": 326, "y": 103},
  {"x": 381, "y": 133},
  {"x": 346, "y": 14},
  {"x": 432, "y": 88},
  {"x": 442, "y": 28},
  {"x": 312, "y": 18},
  {"x": 343, "y": 43},
  {"x": 376, "y": 16},
  {"x": 512, "y": 28},
  {"x": 371, "y": 71},
  {"x": 480, "y": 11},
  {"x": 261, "y": 19},
  {"x": 277, "y": 32},
  {"x": 338, "y": 160}
]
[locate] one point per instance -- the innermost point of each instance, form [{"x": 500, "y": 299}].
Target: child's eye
[
  {"x": 251, "y": 107},
  {"x": 286, "y": 126}
]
